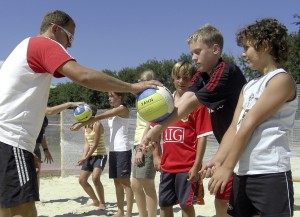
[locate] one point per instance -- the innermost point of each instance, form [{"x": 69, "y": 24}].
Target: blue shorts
[
  {"x": 120, "y": 164},
  {"x": 18, "y": 179},
  {"x": 264, "y": 195},
  {"x": 98, "y": 161},
  {"x": 174, "y": 188}
]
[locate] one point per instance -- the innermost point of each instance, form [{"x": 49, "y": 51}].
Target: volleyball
[
  {"x": 83, "y": 112},
  {"x": 155, "y": 105}
]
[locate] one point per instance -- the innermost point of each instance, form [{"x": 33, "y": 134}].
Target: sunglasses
[{"x": 69, "y": 35}]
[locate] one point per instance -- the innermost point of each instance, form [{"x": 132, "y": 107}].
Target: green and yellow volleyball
[{"x": 155, "y": 105}]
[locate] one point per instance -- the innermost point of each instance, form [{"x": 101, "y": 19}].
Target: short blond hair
[
  {"x": 207, "y": 34},
  {"x": 188, "y": 69}
]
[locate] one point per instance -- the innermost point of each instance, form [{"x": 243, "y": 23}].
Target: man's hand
[{"x": 143, "y": 85}]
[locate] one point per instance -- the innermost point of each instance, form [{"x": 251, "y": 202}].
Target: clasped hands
[{"x": 218, "y": 174}]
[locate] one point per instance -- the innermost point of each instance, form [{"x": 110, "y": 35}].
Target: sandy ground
[{"x": 63, "y": 196}]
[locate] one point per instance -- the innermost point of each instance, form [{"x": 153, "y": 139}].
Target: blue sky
[{"x": 117, "y": 34}]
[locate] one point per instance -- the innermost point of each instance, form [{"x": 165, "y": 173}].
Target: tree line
[{"x": 71, "y": 91}]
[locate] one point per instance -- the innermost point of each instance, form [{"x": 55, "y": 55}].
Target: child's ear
[
  {"x": 266, "y": 46},
  {"x": 216, "y": 49}
]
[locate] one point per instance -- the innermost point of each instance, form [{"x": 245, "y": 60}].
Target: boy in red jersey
[{"x": 184, "y": 144}]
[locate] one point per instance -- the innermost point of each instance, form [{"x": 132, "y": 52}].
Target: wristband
[{"x": 45, "y": 149}]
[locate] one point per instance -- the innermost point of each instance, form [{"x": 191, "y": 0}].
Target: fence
[{"x": 66, "y": 146}]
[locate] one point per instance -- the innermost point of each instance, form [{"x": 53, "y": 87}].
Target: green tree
[
  {"x": 128, "y": 75},
  {"x": 293, "y": 63},
  {"x": 162, "y": 70},
  {"x": 186, "y": 57},
  {"x": 74, "y": 92}
]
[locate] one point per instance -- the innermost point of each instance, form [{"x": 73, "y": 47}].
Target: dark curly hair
[{"x": 268, "y": 31}]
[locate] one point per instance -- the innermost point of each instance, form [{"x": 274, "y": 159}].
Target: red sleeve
[
  {"x": 45, "y": 55},
  {"x": 203, "y": 123},
  {"x": 152, "y": 124}
]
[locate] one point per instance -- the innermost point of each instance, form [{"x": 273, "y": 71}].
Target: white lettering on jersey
[
  {"x": 174, "y": 134},
  {"x": 211, "y": 110}
]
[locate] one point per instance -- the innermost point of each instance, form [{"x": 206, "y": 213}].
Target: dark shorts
[
  {"x": 227, "y": 191},
  {"x": 98, "y": 161},
  {"x": 18, "y": 180},
  {"x": 174, "y": 188},
  {"x": 120, "y": 164},
  {"x": 146, "y": 170},
  {"x": 264, "y": 195}
]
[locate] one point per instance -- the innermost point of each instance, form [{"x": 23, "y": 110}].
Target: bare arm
[
  {"x": 58, "y": 108},
  {"x": 86, "y": 149},
  {"x": 121, "y": 111},
  {"x": 139, "y": 157},
  {"x": 193, "y": 172},
  {"x": 187, "y": 103},
  {"x": 100, "y": 81},
  {"x": 47, "y": 153},
  {"x": 268, "y": 104},
  {"x": 157, "y": 158},
  {"x": 226, "y": 144}
]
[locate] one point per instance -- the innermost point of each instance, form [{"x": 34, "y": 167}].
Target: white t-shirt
[
  {"x": 24, "y": 89},
  {"x": 119, "y": 134},
  {"x": 268, "y": 148}
]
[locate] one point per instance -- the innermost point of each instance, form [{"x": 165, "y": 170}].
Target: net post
[{"x": 62, "y": 131}]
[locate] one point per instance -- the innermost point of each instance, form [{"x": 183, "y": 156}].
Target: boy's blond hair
[
  {"x": 187, "y": 67},
  {"x": 208, "y": 35}
]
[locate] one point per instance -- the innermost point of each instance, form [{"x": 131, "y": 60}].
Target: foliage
[
  {"x": 248, "y": 73},
  {"x": 228, "y": 58},
  {"x": 297, "y": 23},
  {"x": 242, "y": 64},
  {"x": 73, "y": 92},
  {"x": 293, "y": 63}
]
